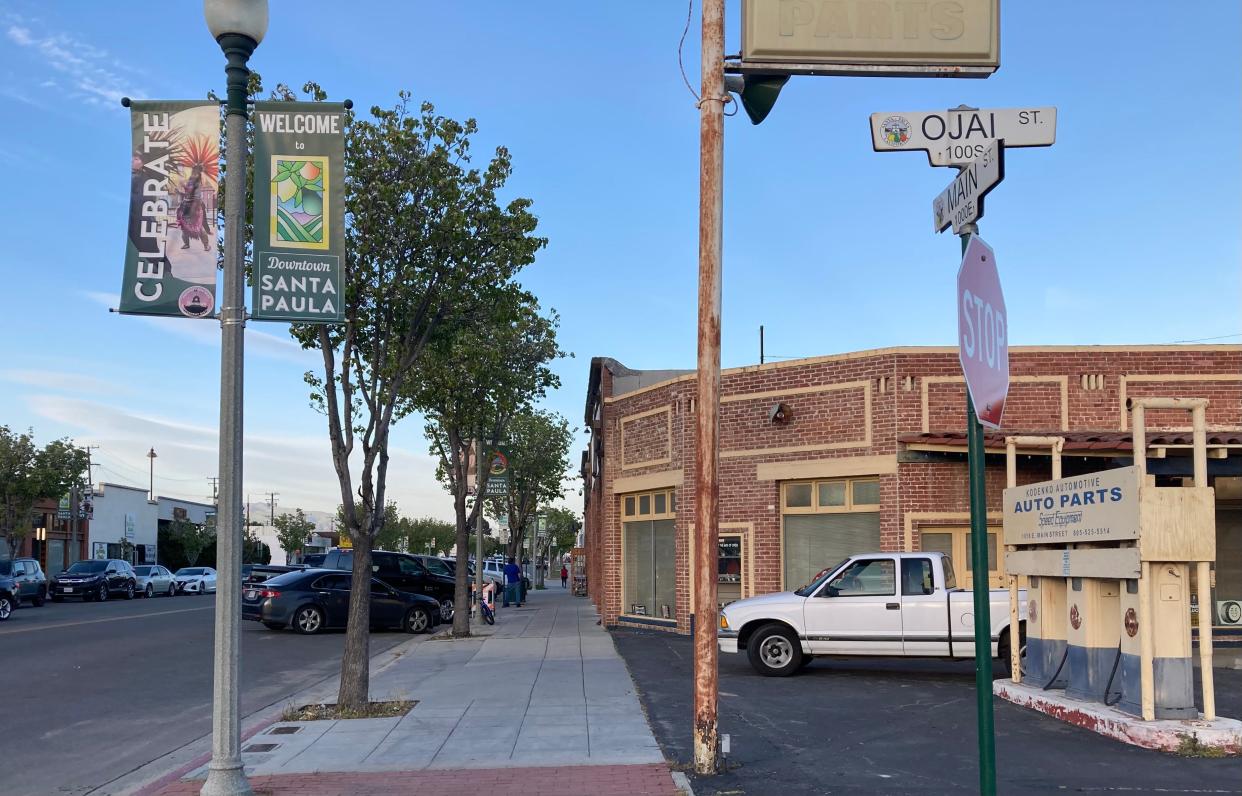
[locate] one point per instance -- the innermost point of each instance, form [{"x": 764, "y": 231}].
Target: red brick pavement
[{"x": 647, "y": 780}]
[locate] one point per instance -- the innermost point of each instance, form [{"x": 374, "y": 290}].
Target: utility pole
[
  {"x": 151, "y": 456},
  {"x": 712, "y": 98},
  {"x": 214, "y": 479},
  {"x": 75, "y": 523},
  {"x": 480, "y": 481},
  {"x": 271, "y": 504},
  {"x": 247, "y": 510},
  {"x": 761, "y": 344}
]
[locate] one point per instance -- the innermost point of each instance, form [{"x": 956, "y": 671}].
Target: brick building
[{"x": 831, "y": 455}]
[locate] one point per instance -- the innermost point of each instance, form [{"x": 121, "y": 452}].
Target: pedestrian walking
[
  {"x": 564, "y": 576},
  {"x": 513, "y": 584}
]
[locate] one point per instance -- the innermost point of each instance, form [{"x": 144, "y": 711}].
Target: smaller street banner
[
  {"x": 299, "y": 211},
  {"x": 497, "y": 463},
  {"x": 170, "y": 251}
]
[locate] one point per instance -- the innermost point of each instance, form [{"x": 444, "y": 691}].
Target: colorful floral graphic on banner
[
  {"x": 170, "y": 262},
  {"x": 299, "y": 202}
]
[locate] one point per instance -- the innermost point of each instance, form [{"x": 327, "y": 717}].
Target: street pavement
[
  {"x": 893, "y": 726},
  {"x": 94, "y": 690},
  {"x": 541, "y": 703}
]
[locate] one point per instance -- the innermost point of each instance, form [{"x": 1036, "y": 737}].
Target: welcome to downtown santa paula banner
[{"x": 299, "y": 211}]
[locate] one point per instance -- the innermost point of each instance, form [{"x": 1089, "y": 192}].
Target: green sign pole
[{"x": 983, "y": 607}]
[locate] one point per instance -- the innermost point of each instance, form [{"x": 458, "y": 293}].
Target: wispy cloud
[
  {"x": 92, "y": 75},
  {"x": 207, "y": 333},
  {"x": 61, "y": 380},
  {"x": 298, "y": 466}
]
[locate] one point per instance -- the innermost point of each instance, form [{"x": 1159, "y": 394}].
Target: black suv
[
  {"x": 403, "y": 572},
  {"x": 95, "y": 579},
  {"x": 29, "y": 582}
]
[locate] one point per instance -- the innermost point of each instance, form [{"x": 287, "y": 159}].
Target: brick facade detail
[{"x": 856, "y": 405}]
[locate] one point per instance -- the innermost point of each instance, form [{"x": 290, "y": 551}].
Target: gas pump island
[{"x": 1109, "y": 559}]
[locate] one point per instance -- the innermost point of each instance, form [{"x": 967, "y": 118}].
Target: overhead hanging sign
[
  {"x": 170, "y": 251},
  {"x": 878, "y": 37},
  {"x": 957, "y": 136},
  {"x": 299, "y": 212}
]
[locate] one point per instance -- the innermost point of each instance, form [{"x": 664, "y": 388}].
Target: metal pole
[
  {"x": 478, "y": 523},
  {"x": 225, "y": 774},
  {"x": 707, "y": 490},
  {"x": 760, "y": 344},
  {"x": 979, "y": 561}
]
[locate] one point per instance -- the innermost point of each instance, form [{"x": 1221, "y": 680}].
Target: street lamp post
[
  {"x": 238, "y": 26},
  {"x": 151, "y": 456}
]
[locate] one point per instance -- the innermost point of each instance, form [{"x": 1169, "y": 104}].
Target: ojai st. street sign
[
  {"x": 957, "y": 136},
  {"x": 962, "y": 202},
  {"x": 983, "y": 332}
]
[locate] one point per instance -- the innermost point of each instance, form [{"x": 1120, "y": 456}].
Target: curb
[{"x": 1222, "y": 735}]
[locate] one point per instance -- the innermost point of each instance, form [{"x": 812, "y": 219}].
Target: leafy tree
[
  {"x": 561, "y": 526},
  {"x": 538, "y": 444},
  {"x": 428, "y": 247},
  {"x": 192, "y": 538},
  {"x": 477, "y": 380},
  {"x": 29, "y": 473},
  {"x": 292, "y": 531}
]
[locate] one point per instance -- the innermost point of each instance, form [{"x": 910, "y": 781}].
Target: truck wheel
[{"x": 774, "y": 651}]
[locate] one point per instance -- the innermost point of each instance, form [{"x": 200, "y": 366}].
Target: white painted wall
[{"x": 113, "y": 504}]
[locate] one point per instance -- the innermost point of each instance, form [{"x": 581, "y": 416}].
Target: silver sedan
[{"x": 154, "y": 579}]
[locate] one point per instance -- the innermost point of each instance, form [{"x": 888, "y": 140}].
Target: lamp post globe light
[{"x": 238, "y": 26}]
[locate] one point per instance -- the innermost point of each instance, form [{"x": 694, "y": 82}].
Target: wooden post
[{"x": 1203, "y": 574}]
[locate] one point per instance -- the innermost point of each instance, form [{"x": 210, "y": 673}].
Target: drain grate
[
  {"x": 261, "y": 747},
  {"x": 283, "y": 730}
]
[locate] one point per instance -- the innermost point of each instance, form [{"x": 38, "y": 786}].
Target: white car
[
  {"x": 153, "y": 579},
  {"x": 195, "y": 580},
  {"x": 890, "y": 604}
]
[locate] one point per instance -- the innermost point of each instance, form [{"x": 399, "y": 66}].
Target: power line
[{"x": 1208, "y": 339}]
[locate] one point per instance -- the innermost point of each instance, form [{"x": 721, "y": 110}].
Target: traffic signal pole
[
  {"x": 982, "y": 601},
  {"x": 712, "y": 99}
]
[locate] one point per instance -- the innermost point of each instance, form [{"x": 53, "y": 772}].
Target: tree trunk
[
  {"x": 461, "y": 578},
  {"x": 355, "y": 690}
]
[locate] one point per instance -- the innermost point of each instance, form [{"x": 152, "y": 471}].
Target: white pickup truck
[{"x": 891, "y": 604}]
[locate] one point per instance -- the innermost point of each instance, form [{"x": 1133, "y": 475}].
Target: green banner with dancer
[
  {"x": 299, "y": 211},
  {"x": 170, "y": 251}
]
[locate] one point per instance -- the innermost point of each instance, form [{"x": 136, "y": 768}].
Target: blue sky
[{"x": 1125, "y": 231}]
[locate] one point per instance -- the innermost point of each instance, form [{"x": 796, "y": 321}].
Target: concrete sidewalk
[{"x": 544, "y": 689}]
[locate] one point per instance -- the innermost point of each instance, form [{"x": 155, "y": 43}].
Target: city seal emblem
[{"x": 896, "y": 130}]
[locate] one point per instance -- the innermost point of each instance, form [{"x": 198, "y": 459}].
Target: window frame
[
  {"x": 815, "y": 508},
  {"x": 630, "y": 505}
]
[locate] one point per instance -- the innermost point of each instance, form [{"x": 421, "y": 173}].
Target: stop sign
[{"x": 982, "y": 332}]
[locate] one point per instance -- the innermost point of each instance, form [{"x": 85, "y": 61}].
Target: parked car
[
  {"x": 891, "y": 604},
  {"x": 95, "y": 579},
  {"x": 28, "y": 580},
  {"x": 8, "y": 597},
  {"x": 314, "y": 600},
  {"x": 259, "y": 573},
  {"x": 152, "y": 579},
  {"x": 314, "y": 560},
  {"x": 404, "y": 572},
  {"x": 195, "y": 580}
]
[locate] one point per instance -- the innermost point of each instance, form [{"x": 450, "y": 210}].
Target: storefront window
[
  {"x": 826, "y": 521},
  {"x": 955, "y": 543},
  {"x": 649, "y": 541}
]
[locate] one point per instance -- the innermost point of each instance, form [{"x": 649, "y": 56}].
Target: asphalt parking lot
[
  {"x": 895, "y": 726},
  {"x": 94, "y": 690}
]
